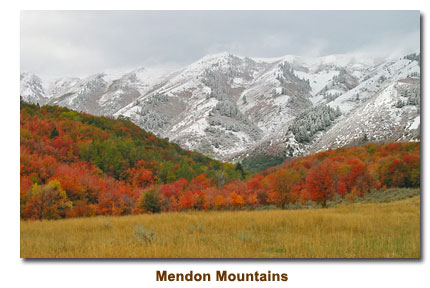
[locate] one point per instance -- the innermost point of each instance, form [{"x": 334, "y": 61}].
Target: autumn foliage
[{"x": 74, "y": 164}]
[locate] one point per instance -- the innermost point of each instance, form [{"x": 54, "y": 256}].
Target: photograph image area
[{"x": 220, "y": 134}]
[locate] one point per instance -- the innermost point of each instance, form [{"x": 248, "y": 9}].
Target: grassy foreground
[{"x": 361, "y": 230}]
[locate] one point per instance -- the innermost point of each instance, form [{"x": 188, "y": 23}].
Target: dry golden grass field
[{"x": 360, "y": 230}]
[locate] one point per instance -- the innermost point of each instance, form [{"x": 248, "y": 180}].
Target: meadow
[{"x": 348, "y": 230}]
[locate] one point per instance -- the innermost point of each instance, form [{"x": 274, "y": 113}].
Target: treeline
[{"x": 75, "y": 165}]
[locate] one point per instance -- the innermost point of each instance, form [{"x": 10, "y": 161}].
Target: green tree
[
  {"x": 54, "y": 133},
  {"x": 151, "y": 200},
  {"x": 185, "y": 171},
  {"x": 239, "y": 168},
  {"x": 166, "y": 172}
]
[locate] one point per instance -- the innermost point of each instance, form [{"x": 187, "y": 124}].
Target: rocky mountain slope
[{"x": 232, "y": 107}]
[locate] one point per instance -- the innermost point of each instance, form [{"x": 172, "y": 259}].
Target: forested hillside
[{"x": 74, "y": 164}]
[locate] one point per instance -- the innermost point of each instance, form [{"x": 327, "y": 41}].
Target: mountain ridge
[{"x": 229, "y": 106}]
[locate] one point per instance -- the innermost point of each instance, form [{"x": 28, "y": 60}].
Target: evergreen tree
[
  {"x": 54, "y": 133},
  {"x": 239, "y": 168}
]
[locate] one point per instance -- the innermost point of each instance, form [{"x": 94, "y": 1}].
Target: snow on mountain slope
[
  {"x": 229, "y": 107},
  {"x": 99, "y": 94},
  {"x": 380, "y": 119},
  {"x": 32, "y": 89},
  {"x": 383, "y": 106},
  {"x": 197, "y": 108}
]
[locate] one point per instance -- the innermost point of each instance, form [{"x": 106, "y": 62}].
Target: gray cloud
[{"x": 59, "y": 43}]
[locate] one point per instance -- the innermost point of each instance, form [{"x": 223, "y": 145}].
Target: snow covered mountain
[
  {"x": 32, "y": 89},
  {"x": 232, "y": 107}
]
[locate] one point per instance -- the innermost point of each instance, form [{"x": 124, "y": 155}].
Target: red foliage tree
[
  {"x": 319, "y": 183},
  {"x": 282, "y": 183}
]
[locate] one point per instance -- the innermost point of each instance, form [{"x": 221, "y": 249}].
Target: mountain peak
[{"x": 217, "y": 57}]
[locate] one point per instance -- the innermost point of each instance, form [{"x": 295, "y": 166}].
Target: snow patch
[{"x": 415, "y": 124}]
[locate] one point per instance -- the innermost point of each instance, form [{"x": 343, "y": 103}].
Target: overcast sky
[{"x": 78, "y": 43}]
